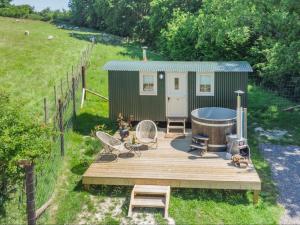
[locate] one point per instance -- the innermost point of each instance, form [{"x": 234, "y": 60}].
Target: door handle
[{"x": 168, "y": 98}]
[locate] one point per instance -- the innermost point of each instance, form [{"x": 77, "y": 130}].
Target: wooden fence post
[
  {"x": 61, "y": 127},
  {"x": 83, "y": 78},
  {"x": 74, "y": 97},
  {"x": 45, "y": 111},
  {"x": 29, "y": 184},
  {"x": 29, "y": 170}
]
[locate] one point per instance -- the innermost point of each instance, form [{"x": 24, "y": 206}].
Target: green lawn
[
  {"x": 81, "y": 149},
  {"x": 32, "y": 65},
  {"x": 188, "y": 206}
]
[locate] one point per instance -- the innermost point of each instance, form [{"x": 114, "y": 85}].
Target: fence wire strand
[{"x": 47, "y": 172}]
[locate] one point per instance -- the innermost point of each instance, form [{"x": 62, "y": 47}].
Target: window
[
  {"x": 176, "y": 83},
  {"x": 148, "y": 83},
  {"x": 205, "y": 84}
]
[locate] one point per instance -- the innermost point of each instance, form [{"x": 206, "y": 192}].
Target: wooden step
[
  {"x": 198, "y": 146},
  {"x": 176, "y": 127},
  {"x": 200, "y": 137},
  {"x": 151, "y": 189},
  {"x": 176, "y": 119},
  {"x": 150, "y": 196},
  {"x": 197, "y": 141},
  {"x": 149, "y": 201}
]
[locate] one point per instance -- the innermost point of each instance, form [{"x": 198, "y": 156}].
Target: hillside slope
[
  {"x": 29, "y": 68},
  {"x": 31, "y": 65}
]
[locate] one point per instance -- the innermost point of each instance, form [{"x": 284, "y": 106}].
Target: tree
[
  {"x": 281, "y": 45},
  {"x": 265, "y": 33},
  {"x": 121, "y": 17},
  {"x": 5, "y": 3},
  {"x": 162, "y": 12},
  {"x": 178, "y": 41},
  {"x": 81, "y": 11},
  {"x": 46, "y": 14}
]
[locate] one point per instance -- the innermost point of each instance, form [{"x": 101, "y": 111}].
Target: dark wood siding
[
  {"x": 125, "y": 98},
  {"x": 225, "y": 85}
]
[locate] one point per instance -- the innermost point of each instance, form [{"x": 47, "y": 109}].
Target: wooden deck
[{"x": 170, "y": 164}]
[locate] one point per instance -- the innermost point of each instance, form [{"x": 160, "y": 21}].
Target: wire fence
[
  {"x": 286, "y": 91},
  {"x": 60, "y": 113}
]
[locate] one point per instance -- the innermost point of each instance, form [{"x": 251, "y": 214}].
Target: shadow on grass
[
  {"x": 132, "y": 50},
  {"x": 87, "y": 122},
  {"x": 105, "y": 190},
  {"x": 80, "y": 168},
  {"x": 89, "y": 34},
  {"x": 102, "y": 38},
  {"x": 91, "y": 147}
]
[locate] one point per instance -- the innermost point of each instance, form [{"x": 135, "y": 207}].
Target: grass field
[
  {"x": 188, "y": 206},
  {"x": 32, "y": 65}
]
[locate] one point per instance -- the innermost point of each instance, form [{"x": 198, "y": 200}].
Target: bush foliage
[
  {"x": 27, "y": 12},
  {"x": 265, "y": 33},
  {"x": 21, "y": 138}
]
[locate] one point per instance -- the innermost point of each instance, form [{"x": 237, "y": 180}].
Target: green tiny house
[{"x": 156, "y": 90}]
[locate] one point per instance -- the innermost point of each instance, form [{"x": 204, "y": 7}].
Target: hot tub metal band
[{"x": 213, "y": 125}]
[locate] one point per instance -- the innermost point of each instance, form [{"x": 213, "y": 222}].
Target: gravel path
[{"x": 285, "y": 164}]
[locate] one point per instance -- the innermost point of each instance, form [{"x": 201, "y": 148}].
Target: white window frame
[
  {"x": 198, "y": 77},
  {"x": 141, "y": 78}
]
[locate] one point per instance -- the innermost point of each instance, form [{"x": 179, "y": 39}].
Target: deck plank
[{"x": 171, "y": 164}]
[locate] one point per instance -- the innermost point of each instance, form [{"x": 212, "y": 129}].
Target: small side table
[{"x": 134, "y": 148}]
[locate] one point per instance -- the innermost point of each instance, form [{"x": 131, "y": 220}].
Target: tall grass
[{"x": 32, "y": 65}]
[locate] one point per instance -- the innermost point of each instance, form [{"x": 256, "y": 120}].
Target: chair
[
  {"x": 146, "y": 132},
  {"x": 110, "y": 144}
]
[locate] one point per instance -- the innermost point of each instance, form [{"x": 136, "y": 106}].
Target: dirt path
[{"x": 285, "y": 164}]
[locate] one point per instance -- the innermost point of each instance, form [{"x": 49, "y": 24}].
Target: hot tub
[{"x": 214, "y": 123}]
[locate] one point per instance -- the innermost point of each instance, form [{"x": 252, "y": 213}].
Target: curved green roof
[{"x": 179, "y": 66}]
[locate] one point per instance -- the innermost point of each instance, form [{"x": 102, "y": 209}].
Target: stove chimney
[
  {"x": 239, "y": 114},
  {"x": 145, "y": 53}
]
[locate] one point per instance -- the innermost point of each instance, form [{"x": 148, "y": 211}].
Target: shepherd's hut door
[{"x": 176, "y": 95}]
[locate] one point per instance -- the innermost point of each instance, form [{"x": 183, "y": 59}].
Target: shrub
[
  {"x": 34, "y": 16},
  {"x": 20, "y": 11},
  {"x": 20, "y": 138},
  {"x": 178, "y": 41}
]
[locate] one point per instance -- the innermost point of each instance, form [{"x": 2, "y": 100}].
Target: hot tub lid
[{"x": 214, "y": 113}]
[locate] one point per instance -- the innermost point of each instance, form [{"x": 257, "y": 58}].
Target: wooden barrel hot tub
[{"x": 214, "y": 123}]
